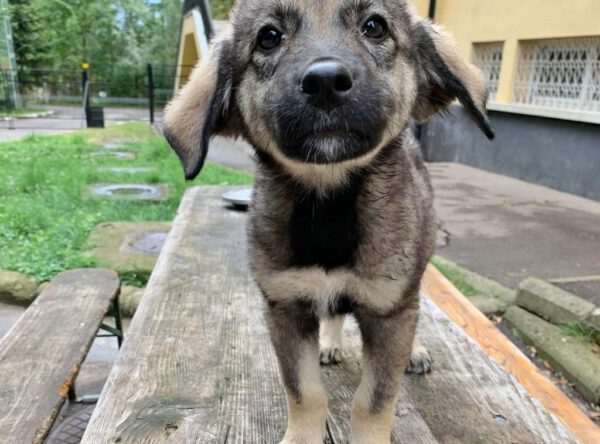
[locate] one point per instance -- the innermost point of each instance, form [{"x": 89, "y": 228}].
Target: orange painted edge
[{"x": 466, "y": 316}]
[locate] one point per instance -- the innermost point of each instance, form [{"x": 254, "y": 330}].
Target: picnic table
[{"x": 198, "y": 367}]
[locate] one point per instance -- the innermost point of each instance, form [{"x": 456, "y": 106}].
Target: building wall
[
  {"x": 559, "y": 154},
  {"x": 510, "y": 21},
  {"x": 556, "y": 147}
]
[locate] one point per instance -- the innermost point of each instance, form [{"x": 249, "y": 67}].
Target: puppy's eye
[
  {"x": 269, "y": 38},
  {"x": 374, "y": 28}
]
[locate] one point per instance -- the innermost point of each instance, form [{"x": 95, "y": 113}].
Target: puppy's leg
[
  {"x": 420, "y": 359},
  {"x": 294, "y": 329},
  {"x": 387, "y": 343},
  {"x": 330, "y": 335}
]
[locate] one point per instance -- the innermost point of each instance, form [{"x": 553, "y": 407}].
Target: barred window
[
  {"x": 560, "y": 74},
  {"x": 488, "y": 58}
]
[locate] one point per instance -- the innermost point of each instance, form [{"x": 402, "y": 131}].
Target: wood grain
[
  {"x": 198, "y": 365},
  {"x": 41, "y": 355},
  {"x": 466, "y": 316}
]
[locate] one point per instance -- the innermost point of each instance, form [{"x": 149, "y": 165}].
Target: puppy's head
[{"x": 322, "y": 83}]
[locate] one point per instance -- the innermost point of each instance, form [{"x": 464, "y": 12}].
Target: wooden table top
[{"x": 197, "y": 365}]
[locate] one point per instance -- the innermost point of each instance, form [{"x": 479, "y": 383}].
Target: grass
[
  {"x": 580, "y": 330},
  {"x": 45, "y": 216},
  {"x": 455, "y": 278}
]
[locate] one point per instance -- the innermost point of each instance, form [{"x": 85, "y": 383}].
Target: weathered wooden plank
[
  {"x": 198, "y": 366},
  {"x": 467, "y": 397},
  {"x": 507, "y": 355},
  {"x": 41, "y": 355}
]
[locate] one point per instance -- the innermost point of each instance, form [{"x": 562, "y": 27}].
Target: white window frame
[{"x": 487, "y": 56}]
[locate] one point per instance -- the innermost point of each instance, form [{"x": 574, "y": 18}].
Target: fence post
[
  {"x": 151, "y": 93},
  {"x": 85, "y": 79}
]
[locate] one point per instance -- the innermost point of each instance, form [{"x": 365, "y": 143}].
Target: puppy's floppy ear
[
  {"x": 444, "y": 75},
  {"x": 201, "y": 109}
]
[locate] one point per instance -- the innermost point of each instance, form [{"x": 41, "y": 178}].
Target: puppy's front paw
[
  {"x": 329, "y": 355},
  {"x": 420, "y": 361}
]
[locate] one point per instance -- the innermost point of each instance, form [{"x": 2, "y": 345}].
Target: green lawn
[{"x": 45, "y": 216}]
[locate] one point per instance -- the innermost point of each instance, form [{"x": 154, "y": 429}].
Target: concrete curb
[
  {"x": 17, "y": 288},
  {"x": 488, "y": 306},
  {"x": 29, "y": 116},
  {"x": 129, "y": 299},
  {"x": 552, "y": 303},
  {"x": 483, "y": 285},
  {"x": 572, "y": 356}
]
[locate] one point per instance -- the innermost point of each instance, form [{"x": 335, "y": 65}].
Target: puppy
[{"x": 341, "y": 219}]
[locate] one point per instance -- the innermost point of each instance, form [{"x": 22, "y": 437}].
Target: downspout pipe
[{"x": 431, "y": 13}]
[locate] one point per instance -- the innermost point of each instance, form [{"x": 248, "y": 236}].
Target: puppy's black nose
[{"x": 326, "y": 83}]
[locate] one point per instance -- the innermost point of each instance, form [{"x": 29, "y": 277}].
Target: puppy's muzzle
[{"x": 327, "y": 84}]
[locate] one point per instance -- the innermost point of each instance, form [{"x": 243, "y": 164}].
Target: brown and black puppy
[{"x": 341, "y": 219}]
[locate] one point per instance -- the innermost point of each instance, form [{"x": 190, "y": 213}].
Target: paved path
[
  {"x": 507, "y": 229},
  {"x": 65, "y": 119}
]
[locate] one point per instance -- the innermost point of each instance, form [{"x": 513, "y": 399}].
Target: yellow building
[
  {"x": 542, "y": 62},
  {"x": 541, "y": 57},
  {"x": 196, "y": 28}
]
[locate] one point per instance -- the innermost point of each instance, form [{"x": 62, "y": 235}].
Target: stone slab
[
  {"x": 121, "y": 155},
  {"x": 127, "y": 170},
  {"x": 118, "y": 245},
  {"x": 552, "y": 303},
  {"x": 489, "y": 306},
  {"x": 17, "y": 288},
  {"x": 129, "y": 299},
  {"x": 573, "y": 356}
]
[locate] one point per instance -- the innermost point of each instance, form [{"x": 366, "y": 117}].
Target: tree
[{"x": 30, "y": 35}]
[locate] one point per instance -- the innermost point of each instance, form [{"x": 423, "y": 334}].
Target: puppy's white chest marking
[{"x": 324, "y": 287}]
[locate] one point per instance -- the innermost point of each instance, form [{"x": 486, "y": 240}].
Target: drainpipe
[{"x": 431, "y": 13}]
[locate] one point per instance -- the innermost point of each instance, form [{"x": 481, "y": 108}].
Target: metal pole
[
  {"x": 431, "y": 13},
  {"x": 85, "y": 80},
  {"x": 151, "y": 92}
]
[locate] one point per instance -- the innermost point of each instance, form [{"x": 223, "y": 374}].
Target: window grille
[
  {"x": 560, "y": 74},
  {"x": 488, "y": 58}
]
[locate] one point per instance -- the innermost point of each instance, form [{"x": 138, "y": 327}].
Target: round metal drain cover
[
  {"x": 128, "y": 191},
  {"x": 150, "y": 243}
]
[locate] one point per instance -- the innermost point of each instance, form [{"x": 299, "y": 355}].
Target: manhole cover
[
  {"x": 124, "y": 155},
  {"x": 71, "y": 430},
  {"x": 129, "y": 191},
  {"x": 127, "y": 170},
  {"x": 150, "y": 243}
]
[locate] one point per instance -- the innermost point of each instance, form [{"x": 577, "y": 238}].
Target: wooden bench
[
  {"x": 41, "y": 355},
  {"x": 198, "y": 366}
]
